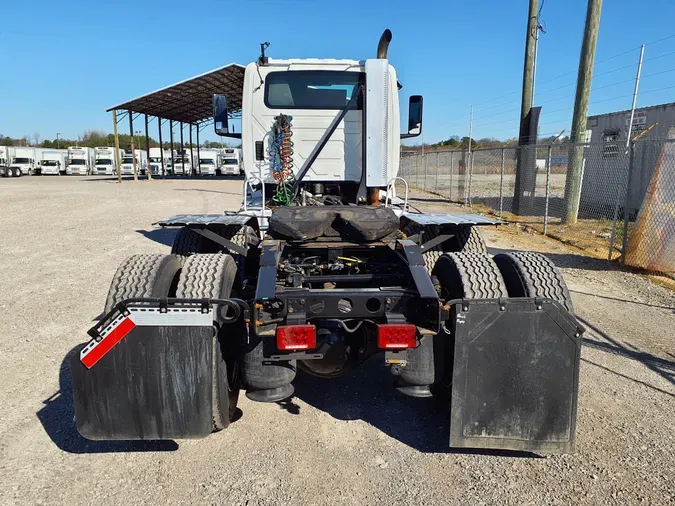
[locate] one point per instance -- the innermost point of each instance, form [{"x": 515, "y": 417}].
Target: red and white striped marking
[
  {"x": 116, "y": 330},
  {"x": 95, "y": 350}
]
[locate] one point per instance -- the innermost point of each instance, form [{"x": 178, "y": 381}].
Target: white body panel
[
  {"x": 209, "y": 161},
  {"x": 53, "y": 162},
  {"x": 105, "y": 161},
  {"x": 80, "y": 161},
  {"x": 341, "y": 158}
]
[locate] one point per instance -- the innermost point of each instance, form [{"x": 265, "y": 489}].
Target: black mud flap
[
  {"x": 146, "y": 375},
  {"x": 515, "y": 377}
]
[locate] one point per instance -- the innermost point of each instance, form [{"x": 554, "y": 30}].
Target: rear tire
[
  {"x": 149, "y": 275},
  {"x": 529, "y": 274},
  {"x": 468, "y": 275},
  {"x": 212, "y": 276},
  {"x": 469, "y": 239}
]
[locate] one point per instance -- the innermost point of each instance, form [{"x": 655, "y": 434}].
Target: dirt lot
[{"x": 347, "y": 441}]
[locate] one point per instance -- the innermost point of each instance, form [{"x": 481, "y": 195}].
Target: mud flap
[
  {"x": 153, "y": 379},
  {"x": 515, "y": 378}
]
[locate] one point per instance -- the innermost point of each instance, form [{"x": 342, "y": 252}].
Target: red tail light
[
  {"x": 296, "y": 337},
  {"x": 394, "y": 336}
]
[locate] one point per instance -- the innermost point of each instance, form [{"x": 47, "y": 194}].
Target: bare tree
[{"x": 36, "y": 138}]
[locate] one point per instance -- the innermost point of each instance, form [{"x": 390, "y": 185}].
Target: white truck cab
[
  {"x": 105, "y": 161},
  {"x": 209, "y": 161},
  {"x": 159, "y": 158},
  {"x": 311, "y": 92},
  {"x": 80, "y": 161},
  {"x": 231, "y": 164},
  {"x": 182, "y": 162},
  {"x": 53, "y": 162},
  {"x": 127, "y": 168}
]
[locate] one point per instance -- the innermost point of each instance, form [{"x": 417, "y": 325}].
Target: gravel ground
[{"x": 348, "y": 441}]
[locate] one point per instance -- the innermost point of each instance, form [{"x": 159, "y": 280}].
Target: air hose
[{"x": 281, "y": 159}]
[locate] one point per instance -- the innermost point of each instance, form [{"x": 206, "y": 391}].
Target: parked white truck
[
  {"x": 105, "y": 161},
  {"x": 231, "y": 162},
  {"x": 160, "y": 158},
  {"x": 24, "y": 161},
  {"x": 141, "y": 163},
  {"x": 182, "y": 162},
  {"x": 53, "y": 162},
  {"x": 80, "y": 161},
  {"x": 209, "y": 161}
]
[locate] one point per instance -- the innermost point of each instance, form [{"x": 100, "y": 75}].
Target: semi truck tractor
[
  {"x": 53, "y": 162},
  {"x": 231, "y": 163},
  {"x": 24, "y": 162},
  {"x": 80, "y": 161},
  {"x": 326, "y": 268},
  {"x": 209, "y": 161},
  {"x": 105, "y": 161},
  {"x": 160, "y": 161}
]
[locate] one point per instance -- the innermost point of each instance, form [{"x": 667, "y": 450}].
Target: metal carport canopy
[{"x": 190, "y": 101}]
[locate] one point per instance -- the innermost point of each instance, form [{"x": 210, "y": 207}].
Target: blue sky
[{"x": 66, "y": 62}]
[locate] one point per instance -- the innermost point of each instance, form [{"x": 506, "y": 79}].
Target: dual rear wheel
[{"x": 199, "y": 276}]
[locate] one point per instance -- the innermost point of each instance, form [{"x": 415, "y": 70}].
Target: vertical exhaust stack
[
  {"x": 373, "y": 194},
  {"x": 383, "y": 45}
]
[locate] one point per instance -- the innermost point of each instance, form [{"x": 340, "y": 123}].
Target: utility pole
[
  {"x": 635, "y": 95},
  {"x": 528, "y": 71},
  {"x": 117, "y": 148},
  {"x": 578, "y": 135}
]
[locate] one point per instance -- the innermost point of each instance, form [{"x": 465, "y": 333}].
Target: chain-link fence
[{"x": 603, "y": 198}]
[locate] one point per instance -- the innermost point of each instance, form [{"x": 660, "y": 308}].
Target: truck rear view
[{"x": 323, "y": 268}]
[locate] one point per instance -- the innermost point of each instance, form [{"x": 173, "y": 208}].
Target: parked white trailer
[
  {"x": 141, "y": 163},
  {"x": 105, "y": 161},
  {"x": 80, "y": 161},
  {"x": 209, "y": 161},
  {"x": 159, "y": 158},
  {"x": 231, "y": 162},
  {"x": 53, "y": 162},
  {"x": 25, "y": 161}
]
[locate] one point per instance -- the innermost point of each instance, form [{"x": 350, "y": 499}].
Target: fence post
[
  {"x": 452, "y": 156},
  {"x": 468, "y": 193},
  {"x": 615, "y": 217},
  {"x": 424, "y": 164},
  {"x": 501, "y": 185},
  {"x": 437, "y": 168},
  {"x": 626, "y": 204},
  {"x": 548, "y": 187}
]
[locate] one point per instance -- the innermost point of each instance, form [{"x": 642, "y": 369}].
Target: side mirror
[
  {"x": 220, "y": 124},
  {"x": 414, "y": 116}
]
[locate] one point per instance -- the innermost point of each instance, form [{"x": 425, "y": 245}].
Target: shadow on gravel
[
  {"x": 368, "y": 394},
  {"x": 661, "y": 366},
  {"x": 57, "y": 418},
  {"x": 238, "y": 194},
  {"x": 163, "y": 236}
]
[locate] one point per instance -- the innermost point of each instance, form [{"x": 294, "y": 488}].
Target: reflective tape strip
[{"x": 95, "y": 350}]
